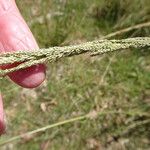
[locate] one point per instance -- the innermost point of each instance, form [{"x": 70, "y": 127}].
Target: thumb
[{"x": 15, "y": 35}]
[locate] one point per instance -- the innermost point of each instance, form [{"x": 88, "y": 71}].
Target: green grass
[{"x": 74, "y": 86}]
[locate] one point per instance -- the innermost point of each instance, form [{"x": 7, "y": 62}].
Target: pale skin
[{"x": 15, "y": 35}]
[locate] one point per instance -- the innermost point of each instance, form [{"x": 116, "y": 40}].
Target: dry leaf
[
  {"x": 93, "y": 114},
  {"x": 43, "y": 107},
  {"x": 94, "y": 144},
  {"x": 45, "y": 145}
]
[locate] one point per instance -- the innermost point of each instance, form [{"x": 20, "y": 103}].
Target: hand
[{"x": 15, "y": 35}]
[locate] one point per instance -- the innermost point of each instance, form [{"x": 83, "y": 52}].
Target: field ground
[{"x": 76, "y": 86}]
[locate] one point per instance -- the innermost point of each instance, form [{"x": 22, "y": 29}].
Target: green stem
[{"x": 87, "y": 116}]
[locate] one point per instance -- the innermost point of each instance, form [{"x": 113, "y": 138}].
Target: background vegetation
[{"x": 79, "y": 85}]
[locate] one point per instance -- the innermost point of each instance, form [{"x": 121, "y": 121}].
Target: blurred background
[{"x": 75, "y": 86}]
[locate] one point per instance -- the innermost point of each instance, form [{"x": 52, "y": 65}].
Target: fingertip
[
  {"x": 2, "y": 121},
  {"x": 30, "y": 77},
  {"x": 2, "y": 127}
]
